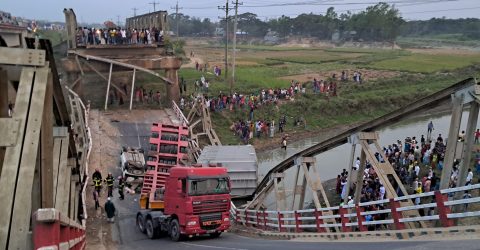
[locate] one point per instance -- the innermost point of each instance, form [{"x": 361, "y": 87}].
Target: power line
[
  {"x": 176, "y": 8},
  {"x": 154, "y": 5}
]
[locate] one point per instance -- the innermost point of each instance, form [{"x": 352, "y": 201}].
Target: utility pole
[
  {"x": 118, "y": 20},
  {"x": 226, "y": 9},
  {"x": 176, "y": 8},
  {"x": 154, "y": 5},
  {"x": 134, "y": 11},
  {"x": 232, "y": 82}
]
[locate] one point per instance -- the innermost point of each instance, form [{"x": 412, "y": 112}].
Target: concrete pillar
[
  {"x": 171, "y": 66},
  {"x": 469, "y": 139},
  {"x": 457, "y": 107},
  {"x": 173, "y": 90}
]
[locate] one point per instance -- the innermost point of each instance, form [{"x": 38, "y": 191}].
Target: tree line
[{"x": 380, "y": 22}]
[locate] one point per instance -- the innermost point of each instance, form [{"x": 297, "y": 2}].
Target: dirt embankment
[{"x": 103, "y": 156}]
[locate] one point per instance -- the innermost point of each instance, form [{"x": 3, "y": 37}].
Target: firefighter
[
  {"x": 121, "y": 186},
  {"x": 97, "y": 175},
  {"x": 109, "y": 180},
  {"x": 97, "y": 183}
]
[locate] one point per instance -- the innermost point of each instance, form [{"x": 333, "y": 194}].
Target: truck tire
[
  {"x": 152, "y": 232},
  {"x": 215, "y": 235},
  {"x": 175, "y": 230},
  {"x": 141, "y": 223}
]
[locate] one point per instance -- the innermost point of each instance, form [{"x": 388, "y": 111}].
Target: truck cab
[{"x": 194, "y": 201}]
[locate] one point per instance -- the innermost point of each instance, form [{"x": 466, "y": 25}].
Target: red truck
[
  {"x": 195, "y": 201},
  {"x": 177, "y": 200}
]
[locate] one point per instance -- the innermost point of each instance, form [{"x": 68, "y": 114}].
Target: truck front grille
[{"x": 212, "y": 206}]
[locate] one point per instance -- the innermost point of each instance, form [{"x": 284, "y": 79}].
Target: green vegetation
[
  {"x": 406, "y": 76},
  {"x": 427, "y": 63},
  {"x": 55, "y": 36}
]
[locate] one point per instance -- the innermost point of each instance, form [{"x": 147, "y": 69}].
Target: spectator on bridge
[{"x": 110, "y": 210}]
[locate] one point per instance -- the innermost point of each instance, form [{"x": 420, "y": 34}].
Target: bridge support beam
[
  {"x": 457, "y": 107},
  {"x": 353, "y": 139},
  {"x": 469, "y": 139},
  {"x": 280, "y": 193}
]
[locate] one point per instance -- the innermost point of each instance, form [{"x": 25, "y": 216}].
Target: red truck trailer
[{"x": 181, "y": 201}]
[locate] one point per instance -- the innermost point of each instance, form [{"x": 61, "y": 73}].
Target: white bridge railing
[
  {"x": 388, "y": 214},
  {"x": 180, "y": 114}
]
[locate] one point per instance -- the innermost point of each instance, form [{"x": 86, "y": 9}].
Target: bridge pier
[{"x": 171, "y": 66}]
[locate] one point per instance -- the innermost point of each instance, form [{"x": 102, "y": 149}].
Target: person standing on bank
[
  {"x": 110, "y": 210},
  {"x": 121, "y": 186},
  {"x": 109, "y": 180},
  {"x": 284, "y": 143}
]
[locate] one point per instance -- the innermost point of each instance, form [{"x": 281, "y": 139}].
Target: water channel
[{"x": 330, "y": 163}]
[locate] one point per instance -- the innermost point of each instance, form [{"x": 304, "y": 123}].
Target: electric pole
[
  {"x": 226, "y": 9},
  {"x": 176, "y": 8},
  {"x": 154, "y": 5},
  {"x": 134, "y": 11},
  {"x": 232, "y": 82}
]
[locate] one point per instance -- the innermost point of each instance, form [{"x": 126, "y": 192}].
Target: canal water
[{"x": 331, "y": 163}]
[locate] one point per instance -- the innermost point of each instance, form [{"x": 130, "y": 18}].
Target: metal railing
[
  {"x": 180, "y": 114},
  {"x": 387, "y": 214}
]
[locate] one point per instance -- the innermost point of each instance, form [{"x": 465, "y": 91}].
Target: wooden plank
[
  {"x": 63, "y": 184},
  {"x": 46, "y": 140},
  {"x": 57, "y": 146},
  {"x": 9, "y": 131},
  {"x": 73, "y": 190},
  {"x": 11, "y": 162},
  {"x": 20, "y": 56},
  {"x": 23, "y": 194}
]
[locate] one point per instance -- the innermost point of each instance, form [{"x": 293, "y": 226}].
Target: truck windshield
[{"x": 208, "y": 186}]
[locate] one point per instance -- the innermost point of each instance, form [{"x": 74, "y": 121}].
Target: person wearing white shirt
[
  {"x": 357, "y": 164},
  {"x": 469, "y": 176},
  {"x": 382, "y": 192}
]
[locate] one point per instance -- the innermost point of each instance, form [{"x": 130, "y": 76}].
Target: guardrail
[
  {"x": 180, "y": 114},
  {"x": 54, "y": 230},
  {"x": 387, "y": 214}
]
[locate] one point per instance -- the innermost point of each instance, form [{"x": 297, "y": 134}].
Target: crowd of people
[
  {"x": 92, "y": 36},
  {"x": 415, "y": 162}
]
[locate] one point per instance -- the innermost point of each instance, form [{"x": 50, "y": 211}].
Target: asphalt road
[{"x": 125, "y": 233}]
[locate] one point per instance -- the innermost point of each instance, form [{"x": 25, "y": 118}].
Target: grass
[
  {"x": 355, "y": 103},
  {"x": 426, "y": 63},
  {"x": 56, "y": 37}
]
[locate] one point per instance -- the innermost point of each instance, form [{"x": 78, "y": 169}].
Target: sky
[{"x": 98, "y": 11}]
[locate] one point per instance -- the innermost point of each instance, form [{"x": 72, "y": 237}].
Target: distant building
[{"x": 271, "y": 37}]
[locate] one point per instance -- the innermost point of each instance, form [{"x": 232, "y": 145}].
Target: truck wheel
[
  {"x": 215, "y": 235},
  {"x": 175, "y": 230},
  {"x": 152, "y": 232},
  {"x": 141, "y": 223}
]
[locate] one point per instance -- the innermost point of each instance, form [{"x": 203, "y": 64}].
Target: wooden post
[
  {"x": 108, "y": 86},
  {"x": 361, "y": 170},
  {"x": 133, "y": 86},
  {"x": 46, "y": 167},
  {"x": 457, "y": 103},
  {"x": 468, "y": 147}
]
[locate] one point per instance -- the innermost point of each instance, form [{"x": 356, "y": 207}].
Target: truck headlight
[
  {"x": 226, "y": 219},
  {"x": 192, "y": 223},
  {"x": 196, "y": 202}
]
